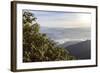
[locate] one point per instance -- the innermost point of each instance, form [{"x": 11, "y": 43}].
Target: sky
[
  {"x": 64, "y": 26},
  {"x": 63, "y": 19}
]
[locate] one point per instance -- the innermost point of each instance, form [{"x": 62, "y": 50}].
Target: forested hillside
[{"x": 37, "y": 46}]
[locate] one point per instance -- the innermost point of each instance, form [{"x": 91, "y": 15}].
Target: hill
[{"x": 81, "y": 50}]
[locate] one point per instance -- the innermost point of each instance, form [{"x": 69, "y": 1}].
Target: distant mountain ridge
[
  {"x": 81, "y": 50},
  {"x": 66, "y": 44}
]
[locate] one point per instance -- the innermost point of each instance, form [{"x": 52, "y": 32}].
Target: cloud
[{"x": 63, "y": 19}]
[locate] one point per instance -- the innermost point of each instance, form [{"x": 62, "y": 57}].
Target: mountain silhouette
[
  {"x": 64, "y": 45},
  {"x": 81, "y": 50}
]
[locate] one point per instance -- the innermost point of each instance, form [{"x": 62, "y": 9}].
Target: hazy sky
[{"x": 63, "y": 19}]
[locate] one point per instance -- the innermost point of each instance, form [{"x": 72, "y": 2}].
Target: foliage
[{"x": 37, "y": 46}]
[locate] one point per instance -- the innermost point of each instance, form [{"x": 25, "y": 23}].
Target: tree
[{"x": 37, "y": 46}]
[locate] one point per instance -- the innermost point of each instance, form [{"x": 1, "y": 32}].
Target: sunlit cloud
[{"x": 63, "y": 19}]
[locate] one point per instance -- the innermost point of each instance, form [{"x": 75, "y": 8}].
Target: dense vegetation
[{"x": 37, "y": 46}]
